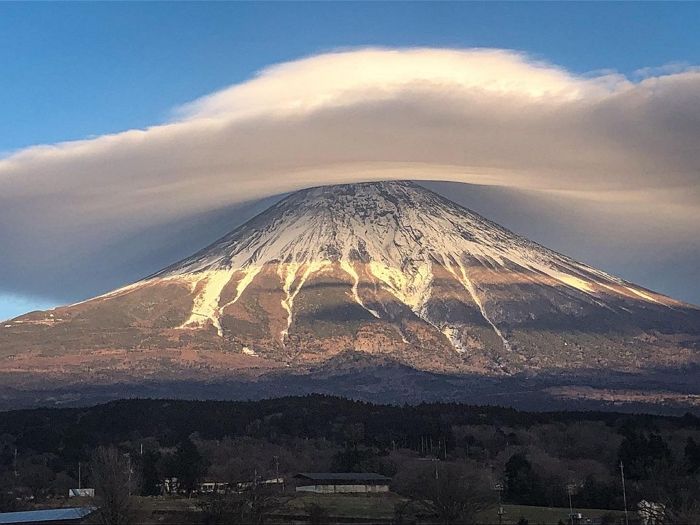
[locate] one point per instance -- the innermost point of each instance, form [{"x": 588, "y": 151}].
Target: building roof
[
  {"x": 343, "y": 476},
  {"x": 48, "y": 515}
]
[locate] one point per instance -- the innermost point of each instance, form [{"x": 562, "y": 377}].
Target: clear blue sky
[{"x": 73, "y": 70}]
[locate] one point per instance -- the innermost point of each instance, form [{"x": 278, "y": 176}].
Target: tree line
[{"x": 533, "y": 458}]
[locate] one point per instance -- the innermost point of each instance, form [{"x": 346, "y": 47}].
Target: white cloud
[
  {"x": 341, "y": 79},
  {"x": 479, "y": 116}
]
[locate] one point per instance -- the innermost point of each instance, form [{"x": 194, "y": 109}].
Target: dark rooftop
[{"x": 342, "y": 476}]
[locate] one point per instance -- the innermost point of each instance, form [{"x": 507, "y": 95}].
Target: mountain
[{"x": 370, "y": 289}]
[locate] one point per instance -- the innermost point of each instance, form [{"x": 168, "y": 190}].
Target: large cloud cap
[{"x": 623, "y": 149}]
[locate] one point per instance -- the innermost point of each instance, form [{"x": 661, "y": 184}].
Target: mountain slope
[{"x": 388, "y": 270}]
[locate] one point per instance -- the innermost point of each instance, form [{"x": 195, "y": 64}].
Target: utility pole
[
  {"x": 498, "y": 487},
  {"x": 80, "y": 478},
  {"x": 128, "y": 466},
  {"x": 624, "y": 492},
  {"x": 277, "y": 471},
  {"x": 571, "y": 508},
  {"x": 15, "y": 464},
  {"x": 437, "y": 479}
]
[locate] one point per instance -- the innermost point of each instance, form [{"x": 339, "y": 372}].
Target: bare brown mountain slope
[{"x": 390, "y": 272}]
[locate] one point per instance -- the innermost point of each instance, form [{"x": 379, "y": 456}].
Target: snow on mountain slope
[
  {"x": 387, "y": 269},
  {"x": 401, "y": 232}
]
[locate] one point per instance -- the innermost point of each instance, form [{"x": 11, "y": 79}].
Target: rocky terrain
[{"x": 377, "y": 280}]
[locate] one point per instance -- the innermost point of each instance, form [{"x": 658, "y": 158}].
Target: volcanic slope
[{"x": 387, "y": 270}]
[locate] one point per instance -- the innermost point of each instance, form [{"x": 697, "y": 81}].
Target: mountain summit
[{"x": 390, "y": 271}]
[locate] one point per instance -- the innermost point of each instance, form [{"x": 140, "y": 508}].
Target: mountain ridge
[{"x": 382, "y": 269}]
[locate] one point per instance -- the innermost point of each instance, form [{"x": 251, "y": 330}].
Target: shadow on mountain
[{"x": 382, "y": 380}]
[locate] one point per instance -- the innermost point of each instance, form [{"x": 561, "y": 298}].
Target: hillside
[{"x": 342, "y": 285}]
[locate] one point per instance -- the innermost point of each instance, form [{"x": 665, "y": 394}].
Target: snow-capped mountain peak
[
  {"x": 399, "y": 232},
  {"x": 390, "y": 271}
]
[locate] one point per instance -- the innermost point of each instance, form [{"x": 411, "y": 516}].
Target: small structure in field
[
  {"x": 81, "y": 493},
  {"x": 47, "y": 516},
  {"x": 213, "y": 487},
  {"x": 341, "y": 482}
]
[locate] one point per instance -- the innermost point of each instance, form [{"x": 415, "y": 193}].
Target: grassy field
[
  {"x": 381, "y": 507},
  {"x": 346, "y": 508},
  {"x": 542, "y": 515},
  {"x": 373, "y": 506}
]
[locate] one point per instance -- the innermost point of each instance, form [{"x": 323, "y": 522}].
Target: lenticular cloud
[{"x": 488, "y": 117}]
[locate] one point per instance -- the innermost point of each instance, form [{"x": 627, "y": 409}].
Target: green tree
[
  {"x": 523, "y": 485},
  {"x": 692, "y": 456},
  {"x": 150, "y": 477},
  {"x": 643, "y": 455},
  {"x": 187, "y": 465},
  {"x": 37, "y": 478},
  {"x": 9, "y": 503}
]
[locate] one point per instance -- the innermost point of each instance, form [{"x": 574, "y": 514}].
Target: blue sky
[
  {"x": 76, "y": 70},
  {"x": 73, "y": 70}
]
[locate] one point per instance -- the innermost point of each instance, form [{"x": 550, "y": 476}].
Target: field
[
  {"x": 543, "y": 515},
  {"x": 381, "y": 507},
  {"x": 345, "y": 508},
  {"x": 347, "y": 505}
]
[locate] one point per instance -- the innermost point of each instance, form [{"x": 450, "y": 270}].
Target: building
[
  {"x": 273, "y": 483},
  {"x": 81, "y": 493},
  {"x": 341, "y": 482},
  {"x": 47, "y": 516},
  {"x": 172, "y": 486},
  {"x": 212, "y": 487}
]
